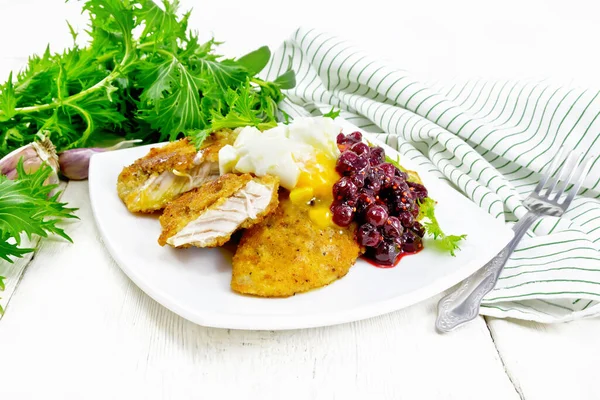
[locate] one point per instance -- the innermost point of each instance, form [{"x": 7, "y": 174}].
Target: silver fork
[{"x": 462, "y": 305}]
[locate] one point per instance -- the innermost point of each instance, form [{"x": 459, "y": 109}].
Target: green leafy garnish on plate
[
  {"x": 427, "y": 214},
  {"x": 430, "y": 222},
  {"x": 332, "y": 113}
]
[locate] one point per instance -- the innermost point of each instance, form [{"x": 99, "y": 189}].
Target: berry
[
  {"x": 377, "y": 156},
  {"x": 412, "y": 243},
  {"x": 344, "y": 142},
  {"x": 364, "y": 200},
  {"x": 345, "y": 163},
  {"x": 399, "y": 185},
  {"x": 374, "y": 180},
  {"x": 373, "y": 185},
  {"x": 358, "y": 179},
  {"x": 386, "y": 253},
  {"x": 394, "y": 190},
  {"x": 367, "y": 235},
  {"x": 397, "y": 201},
  {"x": 418, "y": 229},
  {"x": 406, "y": 219},
  {"x": 419, "y": 191},
  {"x": 388, "y": 170},
  {"x": 401, "y": 203},
  {"x": 376, "y": 215},
  {"x": 361, "y": 164},
  {"x": 399, "y": 241},
  {"x": 392, "y": 227},
  {"x": 415, "y": 211},
  {"x": 355, "y": 136},
  {"x": 344, "y": 189},
  {"x": 402, "y": 175},
  {"x": 360, "y": 148},
  {"x": 342, "y": 214}
]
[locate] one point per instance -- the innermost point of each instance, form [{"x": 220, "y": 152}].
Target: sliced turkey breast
[
  {"x": 154, "y": 180},
  {"x": 209, "y": 215}
]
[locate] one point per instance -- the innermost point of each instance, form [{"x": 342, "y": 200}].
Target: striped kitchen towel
[{"x": 490, "y": 139}]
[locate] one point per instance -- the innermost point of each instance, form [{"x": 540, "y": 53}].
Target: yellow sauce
[{"x": 314, "y": 189}]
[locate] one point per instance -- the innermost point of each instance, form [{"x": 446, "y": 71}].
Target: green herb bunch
[
  {"x": 144, "y": 75},
  {"x": 29, "y": 207}
]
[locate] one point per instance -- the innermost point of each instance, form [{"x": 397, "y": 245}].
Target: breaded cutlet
[
  {"x": 287, "y": 254},
  {"x": 166, "y": 172},
  {"x": 209, "y": 215}
]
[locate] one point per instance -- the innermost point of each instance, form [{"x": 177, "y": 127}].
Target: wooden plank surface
[
  {"x": 78, "y": 328},
  {"x": 558, "y": 361},
  {"x": 12, "y": 272}
]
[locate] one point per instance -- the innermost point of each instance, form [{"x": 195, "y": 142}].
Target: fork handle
[{"x": 462, "y": 304}]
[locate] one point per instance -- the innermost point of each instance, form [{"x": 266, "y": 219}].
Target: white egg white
[{"x": 283, "y": 151}]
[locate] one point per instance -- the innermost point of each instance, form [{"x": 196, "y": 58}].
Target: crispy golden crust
[
  {"x": 288, "y": 254},
  {"x": 192, "y": 204},
  {"x": 177, "y": 156},
  {"x": 215, "y": 142}
]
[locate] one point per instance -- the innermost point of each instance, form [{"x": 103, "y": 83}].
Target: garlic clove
[
  {"x": 75, "y": 163},
  {"x": 31, "y": 165},
  {"x": 12, "y": 175},
  {"x": 33, "y": 155},
  {"x": 9, "y": 162}
]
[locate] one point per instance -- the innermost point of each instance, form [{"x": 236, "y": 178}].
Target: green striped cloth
[{"x": 490, "y": 140}]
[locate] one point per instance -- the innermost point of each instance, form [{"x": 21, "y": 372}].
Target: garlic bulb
[
  {"x": 34, "y": 155},
  {"x": 75, "y": 163}
]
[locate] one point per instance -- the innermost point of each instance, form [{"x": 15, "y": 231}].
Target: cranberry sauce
[{"x": 377, "y": 196}]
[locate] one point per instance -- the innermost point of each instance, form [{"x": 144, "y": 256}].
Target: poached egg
[{"x": 303, "y": 154}]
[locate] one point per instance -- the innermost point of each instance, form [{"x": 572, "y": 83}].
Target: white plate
[{"x": 194, "y": 283}]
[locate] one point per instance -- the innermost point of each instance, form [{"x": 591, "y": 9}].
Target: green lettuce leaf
[{"x": 427, "y": 218}]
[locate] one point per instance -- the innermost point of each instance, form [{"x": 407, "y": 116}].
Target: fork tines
[{"x": 570, "y": 174}]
